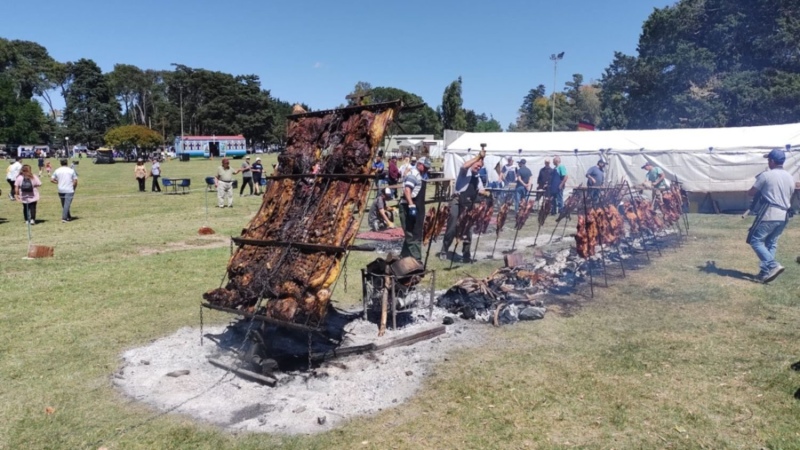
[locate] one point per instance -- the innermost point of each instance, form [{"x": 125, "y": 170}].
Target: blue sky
[{"x": 315, "y": 51}]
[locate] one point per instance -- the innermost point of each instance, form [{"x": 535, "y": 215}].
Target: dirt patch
[
  {"x": 302, "y": 402},
  {"x": 201, "y": 242}
]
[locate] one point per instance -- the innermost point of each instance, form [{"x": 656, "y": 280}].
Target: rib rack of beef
[{"x": 291, "y": 252}]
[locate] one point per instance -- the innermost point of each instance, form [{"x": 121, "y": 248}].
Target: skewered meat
[
  {"x": 484, "y": 216},
  {"x": 435, "y": 222},
  {"x": 574, "y": 199},
  {"x": 582, "y": 238},
  {"x": 601, "y": 226},
  {"x": 307, "y": 210},
  {"x": 615, "y": 228},
  {"x": 547, "y": 205},
  {"x": 671, "y": 205},
  {"x": 469, "y": 218},
  {"x": 428, "y": 225},
  {"x": 501, "y": 217},
  {"x": 525, "y": 209},
  {"x": 441, "y": 221}
]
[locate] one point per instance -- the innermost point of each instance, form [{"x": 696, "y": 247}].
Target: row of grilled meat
[{"x": 606, "y": 225}]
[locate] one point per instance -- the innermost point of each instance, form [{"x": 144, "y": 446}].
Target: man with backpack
[{"x": 27, "y": 193}]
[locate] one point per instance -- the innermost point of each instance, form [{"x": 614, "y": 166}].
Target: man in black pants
[
  {"x": 468, "y": 187},
  {"x": 247, "y": 176},
  {"x": 413, "y": 200}
]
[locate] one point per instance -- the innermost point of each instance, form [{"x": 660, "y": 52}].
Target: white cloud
[{"x": 317, "y": 65}]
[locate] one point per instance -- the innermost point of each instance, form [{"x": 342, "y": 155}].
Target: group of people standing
[
  {"x": 24, "y": 188},
  {"x": 141, "y": 173},
  {"x": 251, "y": 177}
]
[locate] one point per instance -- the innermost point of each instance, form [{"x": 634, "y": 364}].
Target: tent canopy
[
  {"x": 703, "y": 160},
  {"x": 695, "y": 139}
]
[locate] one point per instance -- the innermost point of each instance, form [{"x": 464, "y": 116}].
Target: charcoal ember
[
  {"x": 471, "y": 297},
  {"x": 306, "y": 210},
  {"x": 508, "y": 314},
  {"x": 532, "y": 313},
  {"x": 458, "y": 300}
]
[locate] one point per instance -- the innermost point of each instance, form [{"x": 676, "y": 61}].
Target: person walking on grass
[
  {"x": 776, "y": 187},
  {"x": 258, "y": 172},
  {"x": 12, "y": 172},
  {"x": 140, "y": 173},
  {"x": 224, "y": 183},
  {"x": 155, "y": 173},
  {"x": 67, "y": 180},
  {"x": 247, "y": 176},
  {"x": 40, "y": 163},
  {"x": 27, "y": 192}
]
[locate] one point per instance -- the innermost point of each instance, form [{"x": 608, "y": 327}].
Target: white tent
[{"x": 722, "y": 161}]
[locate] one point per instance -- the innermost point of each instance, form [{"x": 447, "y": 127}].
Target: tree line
[
  {"x": 699, "y": 64},
  {"x": 211, "y": 102}
]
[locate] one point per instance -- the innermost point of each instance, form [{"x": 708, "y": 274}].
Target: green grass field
[{"x": 673, "y": 356}]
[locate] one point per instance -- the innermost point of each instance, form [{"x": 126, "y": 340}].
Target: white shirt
[
  {"x": 405, "y": 168},
  {"x": 64, "y": 175},
  {"x": 13, "y": 171}
]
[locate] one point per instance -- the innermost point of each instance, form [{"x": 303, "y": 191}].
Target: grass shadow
[{"x": 711, "y": 267}]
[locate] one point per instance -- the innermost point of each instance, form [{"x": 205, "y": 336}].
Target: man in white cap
[
  {"x": 224, "y": 183},
  {"x": 413, "y": 200},
  {"x": 775, "y": 187},
  {"x": 380, "y": 215}
]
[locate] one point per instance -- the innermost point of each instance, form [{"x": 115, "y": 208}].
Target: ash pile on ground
[{"x": 303, "y": 402}]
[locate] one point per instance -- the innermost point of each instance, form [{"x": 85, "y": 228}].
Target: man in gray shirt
[
  {"x": 247, "y": 176},
  {"x": 775, "y": 187}
]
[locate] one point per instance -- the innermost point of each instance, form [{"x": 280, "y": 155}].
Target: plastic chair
[
  {"x": 185, "y": 183},
  {"x": 210, "y": 183},
  {"x": 168, "y": 185}
]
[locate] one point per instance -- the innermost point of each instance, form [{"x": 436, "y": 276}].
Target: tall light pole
[
  {"x": 66, "y": 152},
  {"x": 555, "y": 58},
  {"x": 181, "y": 112},
  {"x": 180, "y": 67}
]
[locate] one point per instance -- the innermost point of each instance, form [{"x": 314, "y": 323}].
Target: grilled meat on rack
[{"x": 501, "y": 217}]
